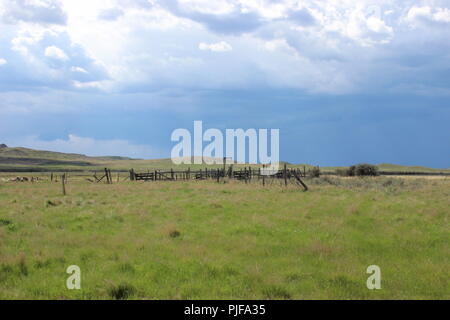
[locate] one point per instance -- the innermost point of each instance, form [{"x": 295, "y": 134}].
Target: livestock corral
[{"x": 216, "y": 234}]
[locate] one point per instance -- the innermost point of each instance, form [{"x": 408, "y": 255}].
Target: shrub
[
  {"x": 351, "y": 171},
  {"x": 314, "y": 172},
  {"x": 365, "y": 169},
  {"x": 359, "y": 170}
]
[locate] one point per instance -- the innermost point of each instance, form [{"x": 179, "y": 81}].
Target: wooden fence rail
[{"x": 244, "y": 174}]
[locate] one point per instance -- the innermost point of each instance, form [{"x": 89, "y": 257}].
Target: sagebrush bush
[
  {"x": 314, "y": 172},
  {"x": 359, "y": 170},
  {"x": 365, "y": 169}
]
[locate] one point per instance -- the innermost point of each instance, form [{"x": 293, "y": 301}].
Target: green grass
[{"x": 203, "y": 240}]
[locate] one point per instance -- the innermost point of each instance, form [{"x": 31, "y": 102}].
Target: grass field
[{"x": 203, "y": 240}]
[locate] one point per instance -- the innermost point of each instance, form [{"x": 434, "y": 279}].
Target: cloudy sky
[{"x": 345, "y": 81}]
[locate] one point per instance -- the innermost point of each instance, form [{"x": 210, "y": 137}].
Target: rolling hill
[{"x": 20, "y": 159}]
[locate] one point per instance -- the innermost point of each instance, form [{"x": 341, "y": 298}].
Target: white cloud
[
  {"x": 366, "y": 26},
  {"x": 56, "y": 53},
  {"x": 3, "y": 61},
  {"x": 221, "y": 46},
  {"x": 378, "y": 25},
  {"x": 102, "y": 85},
  {"x": 426, "y": 14},
  {"x": 87, "y": 146},
  {"x": 276, "y": 44},
  {"x": 442, "y": 15},
  {"x": 217, "y": 7},
  {"x": 78, "y": 69},
  {"x": 143, "y": 45}
]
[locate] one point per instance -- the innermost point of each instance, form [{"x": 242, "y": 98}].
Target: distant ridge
[
  {"x": 24, "y": 159},
  {"x": 20, "y": 152},
  {"x": 18, "y": 159}
]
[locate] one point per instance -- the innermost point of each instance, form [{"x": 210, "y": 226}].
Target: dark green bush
[
  {"x": 314, "y": 172},
  {"x": 365, "y": 169},
  {"x": 351, "y": 171},
  {"x": 359, "y": 170}
]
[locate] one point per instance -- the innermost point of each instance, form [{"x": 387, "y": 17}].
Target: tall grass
[{"x": 200, "y": 240}]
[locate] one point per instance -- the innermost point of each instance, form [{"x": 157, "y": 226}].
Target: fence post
[
  {"x": 224, "y": 163},
  {"x": 246, "y": 175},
  {"x": 301, "y": 182},
  {"x": 107, "y": 175},
  {"x": 285, "y": 175},
  {"x": 263, "y": 176},
  {"x": 63, "y": 179}
]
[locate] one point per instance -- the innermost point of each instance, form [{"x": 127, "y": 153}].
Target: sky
[{"x": 344, "y": 81}]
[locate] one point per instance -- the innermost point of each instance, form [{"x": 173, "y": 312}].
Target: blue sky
[{"x": 344, "y": 81}]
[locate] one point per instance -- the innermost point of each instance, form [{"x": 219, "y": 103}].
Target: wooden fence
[{"x": 285, "y": 175}]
